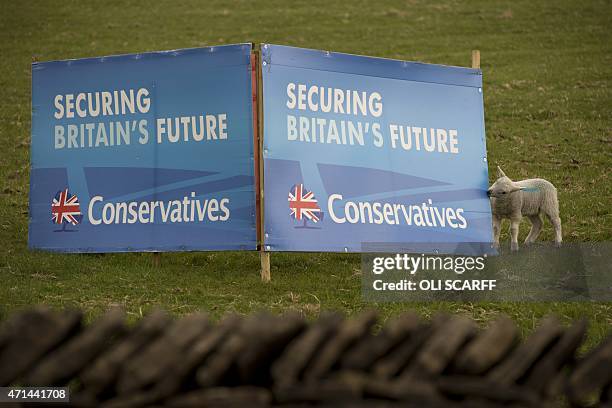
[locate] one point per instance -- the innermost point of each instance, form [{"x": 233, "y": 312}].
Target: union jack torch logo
[
  {"x": 65, "y": 208},
  {"x": 303, "y": 204}
]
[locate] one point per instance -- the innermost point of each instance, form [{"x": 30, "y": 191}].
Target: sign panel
[
  {"x": 368, "y": 154},
  {"x": 144, "y": 152}
]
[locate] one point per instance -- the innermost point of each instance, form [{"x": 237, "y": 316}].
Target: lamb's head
[{"x": 503, "y": 186}]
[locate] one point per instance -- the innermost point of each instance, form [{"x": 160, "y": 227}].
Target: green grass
[{"x": 547, "y": 73}]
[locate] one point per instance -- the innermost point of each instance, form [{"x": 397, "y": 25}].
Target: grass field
[{"x": 547, "y": 70}]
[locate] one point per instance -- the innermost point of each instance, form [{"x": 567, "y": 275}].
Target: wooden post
[
  {"x": 475, "y": 58},
  {"x": 156, "y": 259},
  {"x": 264, "y": 255}
]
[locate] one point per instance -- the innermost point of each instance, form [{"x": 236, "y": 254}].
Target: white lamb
[{"x": 515, "y": 199}]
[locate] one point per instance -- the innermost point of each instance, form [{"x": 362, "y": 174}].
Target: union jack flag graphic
[
  {"x": 303, "y": 204},
  {"x": 65, "y": 208}
]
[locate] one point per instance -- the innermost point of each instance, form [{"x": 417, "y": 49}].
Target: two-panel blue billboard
[
  {"x": 144, "y": 152},
  {"x": 366, "y": 154},
  {"x": 155, "y": 152}
]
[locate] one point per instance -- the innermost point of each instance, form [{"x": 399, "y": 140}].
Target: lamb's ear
[
  {"x": 500, "y": 172},
  {"x": 516, "y": 188}
]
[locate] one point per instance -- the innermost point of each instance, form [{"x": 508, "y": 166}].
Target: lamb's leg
[
  {"x": 514, "y": 230},
  {"x": 556, "y": 222},
  {"x": 551, "y": 209},
  {"x": 536, "y": 226},
  {"x": 496, "y": 231}
]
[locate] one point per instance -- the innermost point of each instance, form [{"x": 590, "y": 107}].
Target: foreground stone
[
  {"x": 30, "y": 335},
  {"x": 266, "y": 360}
]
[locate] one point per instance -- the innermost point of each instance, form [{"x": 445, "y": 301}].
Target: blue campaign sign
[
  {"x": 366, "y": 154},
  {"x": 144, "y": 152}
]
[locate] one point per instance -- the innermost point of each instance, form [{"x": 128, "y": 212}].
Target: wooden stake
[
  {"x": 264, "y": 256},
  {"x": 156, "y": 259},
  {"x": 475, "y": 58}
]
